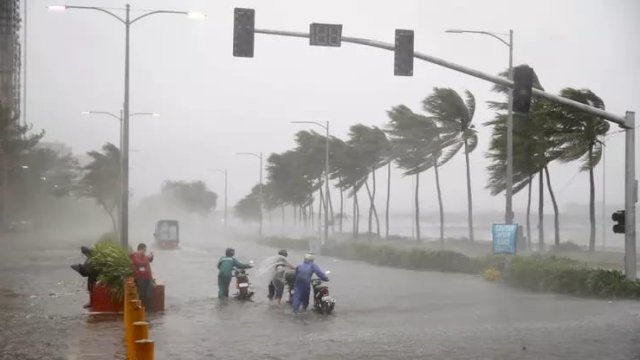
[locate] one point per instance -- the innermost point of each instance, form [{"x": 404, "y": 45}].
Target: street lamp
[
  {"x": 509, "y": 181},
  {"x": 225, "y": 191},
  {"x": 124, "y": 151},
  {"x": 119, "y": 118},
  {"x": 259, "y": 156},
  {"x": 326, "y": 176}
]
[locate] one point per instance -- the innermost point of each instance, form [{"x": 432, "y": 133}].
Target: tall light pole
[
  {"x": 261, "y": 200},
  {"x": 326, "y": 177},
  {"x": 119, "y": 118},
  {"x": 124, "y": 151},
  {"x": 508, "y": 216},
  {"x": 226, "y": 194}
]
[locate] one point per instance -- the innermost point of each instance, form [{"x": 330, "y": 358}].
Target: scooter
[
  {"x": 322, "y": 302},
  {"x": 290, "y": 279},
  {"x": 244, "y": 291}
]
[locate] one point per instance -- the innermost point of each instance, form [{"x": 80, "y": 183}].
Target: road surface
[{"x": 381, "y": 313}]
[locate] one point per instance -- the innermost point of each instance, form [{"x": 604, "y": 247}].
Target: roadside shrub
[
  {"x": 285, "y": 243},
  {"x": 537, "y": 273},
  {"x": 113, "y": 265}
]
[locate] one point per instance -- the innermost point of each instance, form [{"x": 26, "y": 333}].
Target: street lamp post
[
  {"x": 225, "y": 192},
  {"x": 124, "y": 151},
  {"x": 261, "y": 200},
  {"x": 326, "y": 176},
  {"x": 119, "y": 118},
  {"x": 508, "y": 216}
]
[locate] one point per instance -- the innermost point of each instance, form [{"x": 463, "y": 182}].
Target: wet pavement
[{"x": 381, "y": 313}]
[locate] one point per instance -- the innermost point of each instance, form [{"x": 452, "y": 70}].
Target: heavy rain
[{"x": 328, "y": 180}]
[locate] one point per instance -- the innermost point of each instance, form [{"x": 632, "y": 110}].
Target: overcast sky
[{"x": 214, "y": 105}]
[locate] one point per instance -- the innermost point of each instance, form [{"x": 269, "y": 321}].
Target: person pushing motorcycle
[
  {"x": 276, "y": 286},
  {"x": 226, "y": 264},
  {"x": 302, "y": 288}
]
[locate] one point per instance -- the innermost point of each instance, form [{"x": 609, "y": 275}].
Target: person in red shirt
[{"x": 141, "y": 264}]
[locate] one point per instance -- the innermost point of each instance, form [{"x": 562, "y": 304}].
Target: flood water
[{"x": 381, "y": 313}]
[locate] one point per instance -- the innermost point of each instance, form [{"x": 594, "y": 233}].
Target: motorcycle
[
  {"x": 244, "y": 291},
  {"x": 322, "y": 302},
  {"x": 290, "y": 279}
]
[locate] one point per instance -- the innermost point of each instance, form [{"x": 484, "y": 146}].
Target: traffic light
[
  {"x": 325, "y": 34},
  {"x": 243, "y": 32},
  {"x": 522, "y": 85},
  {"x": 618, "y": 217},
  {"x": 403, "y": 53}
]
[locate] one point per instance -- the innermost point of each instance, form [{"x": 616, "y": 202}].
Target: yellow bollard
[
  {"x": 144, "y": 349},
  {"x": 134, "y": 308},
  {"x": 136, "y": 313},
  {"x": 140, "y": 330}
]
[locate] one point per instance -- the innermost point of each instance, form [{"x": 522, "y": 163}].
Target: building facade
[{"x": 10, "y": 56}]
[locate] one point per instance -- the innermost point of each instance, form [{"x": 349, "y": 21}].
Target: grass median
[{"x": 539, "y": 273}]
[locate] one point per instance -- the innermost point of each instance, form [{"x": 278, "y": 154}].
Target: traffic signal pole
[
  {"x": 626, "y": 122},
  {"x": 630, "y": 198}
]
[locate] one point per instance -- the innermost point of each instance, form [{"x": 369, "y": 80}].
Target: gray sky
[{"x": 214, "y": 105}]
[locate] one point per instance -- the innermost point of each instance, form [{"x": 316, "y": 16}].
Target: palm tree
[
  {"x": 413, "y": 137},
  {"x": 455, "y": 115},
  {"x": 535, "y": 145},
  {"x": 372, "y": 145},
  {"x": 101, "y": 180},
  {"x": 583, "y": 140},
  {"x": 350, "y": 175}
]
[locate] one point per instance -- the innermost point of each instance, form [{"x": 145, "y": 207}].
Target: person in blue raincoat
[{"x": 302, "y": 286}]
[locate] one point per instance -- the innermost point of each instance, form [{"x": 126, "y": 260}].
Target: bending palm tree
[{"x": 455, "y": 116}]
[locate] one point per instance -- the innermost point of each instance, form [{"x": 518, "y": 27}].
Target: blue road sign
[{"x": 504, "y": 239}]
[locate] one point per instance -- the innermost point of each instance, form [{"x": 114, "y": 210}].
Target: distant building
[{"x": 10, "y": 56}]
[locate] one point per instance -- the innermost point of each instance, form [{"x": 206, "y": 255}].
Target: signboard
[
  {"x": 504, "y": 239},
  {"x": 325, "y": 34}
]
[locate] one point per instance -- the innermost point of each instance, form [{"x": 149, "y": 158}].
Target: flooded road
[{"x": 381, "y": 313}]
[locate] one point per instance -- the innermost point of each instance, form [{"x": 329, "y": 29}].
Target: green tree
[
  {"x": 248, "y": 208},
  {"x": 582, "y": 139},
  {"x": 412, "y": 137},
  {"x": 372, "y": 147},
  {"x": 455, "y": 116},
  {"x": 535, "y": 146},
  {"x": 101, "y": 180},
  {"x": 193, "y": 197}
]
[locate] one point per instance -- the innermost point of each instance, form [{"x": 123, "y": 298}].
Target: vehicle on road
[
  {"x": 167, "y": 234},
  {"x": 322, "y": 301},
  {"x": 243, "y": 286}
]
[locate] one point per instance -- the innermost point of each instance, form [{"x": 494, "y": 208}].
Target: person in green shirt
[{"x": 226, "y": 264}]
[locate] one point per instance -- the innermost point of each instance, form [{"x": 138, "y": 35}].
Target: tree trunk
[
  {"x": 320, "y": 211},
  {"x": 592, "y": 207},
  {"x": 370, "y": 223},
  {"x": 113, "y": 221},
  {"x": 375, "y": 210},
  {"x": 386, "y": 214},
  {"x": 556, "y": 215},
  {"x": 469, "y": 197},
  {"x": 417, "y": 207},
  {"x": 331, "y": 214},
  {"x": 529, "y": 214},
  {"x": 540, "y": 211},
  {"x": 440, "y": 205},
  {"x": 354, "y": 223},
  {"x": 357, "y": 217},
  {"x": 341, "y": 204},
  {"x": 283, "y": 222}
]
